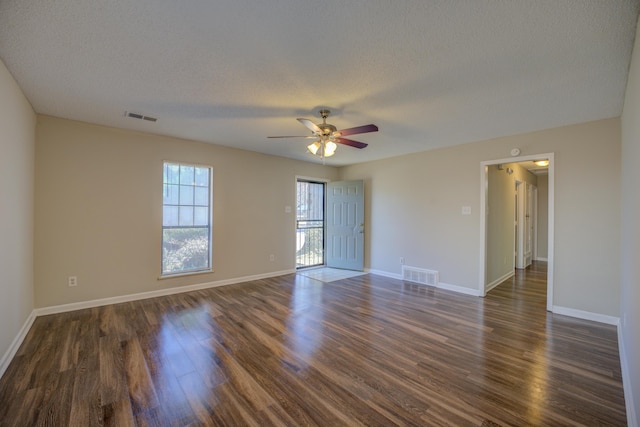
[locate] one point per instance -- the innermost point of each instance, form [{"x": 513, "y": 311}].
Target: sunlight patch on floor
[{"x": 330, "y": 274}]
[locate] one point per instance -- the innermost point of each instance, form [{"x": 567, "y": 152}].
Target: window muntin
[{"x": 186, "y": 218}]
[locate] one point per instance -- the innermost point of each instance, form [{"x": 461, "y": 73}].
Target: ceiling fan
[{"x": 328, "y": 135}]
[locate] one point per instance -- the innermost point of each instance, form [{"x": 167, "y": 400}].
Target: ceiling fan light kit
[
  {"x": 329, "y": 136},
  {"x": 327, "y": 149}
]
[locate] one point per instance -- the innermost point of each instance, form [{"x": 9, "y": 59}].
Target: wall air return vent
[
  {"x": 139, "y": 116},
  {"x": 419, "y": 275}
]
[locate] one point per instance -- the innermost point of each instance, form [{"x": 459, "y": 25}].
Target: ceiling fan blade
[
  {"x": 293, "y": 136},
  {"x": 355, "y": 130},
  {"x": 308, "y": 123},
  {"x": 351, "y": 142}
]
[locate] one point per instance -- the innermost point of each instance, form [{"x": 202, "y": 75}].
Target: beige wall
[
  {"x": 99, "y": 210},
  {"x": 500, "y": 224},
  {"x": 17, "y": 139},
  {"x": 414, "y": 211},
  {"x": 630, "y": 278},
  {"x": 543, "y": 220}
]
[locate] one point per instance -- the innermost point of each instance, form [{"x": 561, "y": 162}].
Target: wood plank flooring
[{"x": 293, "y": 351}]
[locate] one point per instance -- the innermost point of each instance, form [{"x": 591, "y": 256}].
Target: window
[{"x": 186, "y": 219}]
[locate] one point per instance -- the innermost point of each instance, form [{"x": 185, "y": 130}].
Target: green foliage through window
[{"x": 186, "y": 218}]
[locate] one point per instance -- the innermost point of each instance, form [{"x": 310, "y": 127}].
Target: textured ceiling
[{"x": 231, "y": 72}]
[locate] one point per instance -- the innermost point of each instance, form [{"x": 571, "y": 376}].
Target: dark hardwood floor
[{"x": 294, "y": 351}]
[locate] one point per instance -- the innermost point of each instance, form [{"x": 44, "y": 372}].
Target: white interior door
[
  {"x": 529, "y": 217},
  {"x": 534, "y": 223},
  {"x": 524, "y": 224},
  {"x": 520, "y": 224},
  {"x": 345, "y": 225}
]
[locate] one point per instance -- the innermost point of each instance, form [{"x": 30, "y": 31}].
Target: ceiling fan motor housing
[{"x": 327, "y": 129}]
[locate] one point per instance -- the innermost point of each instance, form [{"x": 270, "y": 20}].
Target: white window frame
[{"x": 176, "y": 204}]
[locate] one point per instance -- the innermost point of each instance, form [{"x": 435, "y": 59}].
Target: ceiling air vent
[{"x": 140, "y": 116}]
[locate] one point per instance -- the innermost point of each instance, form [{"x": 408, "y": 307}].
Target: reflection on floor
[
  {"x": 330, "y": 274},
  {"x": 293, "y": 351}
]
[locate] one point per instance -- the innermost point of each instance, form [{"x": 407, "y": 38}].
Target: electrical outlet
[
  {"x": 72, "y": 281},
  {"x": 401, "y": 260},
  {"x": 272, "y": 257}
]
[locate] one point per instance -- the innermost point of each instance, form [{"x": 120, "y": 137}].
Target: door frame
[
  {"x": 294, "y": 212},
  {"x": 484, "y": 185}
]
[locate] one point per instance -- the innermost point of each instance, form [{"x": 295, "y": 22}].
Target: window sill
[{"x": 190, "y": 273}]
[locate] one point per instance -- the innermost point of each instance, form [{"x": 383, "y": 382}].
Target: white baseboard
[
  {"x": 153, "y": 294},
  {"x": 496, "y": 282},
  {"x": 586, "y": 315},
  {"x": 440, "y": 285},
  {"x": 15, "y": 345},
  {"x": 459, "y": 289},
  {"x": 566, "y": 311},
  {"x": 632, "y": 418},
  {"x": 386, "y": 274}
]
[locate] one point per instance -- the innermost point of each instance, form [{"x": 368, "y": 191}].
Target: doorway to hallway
[{"x": 494, "y": 268}]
